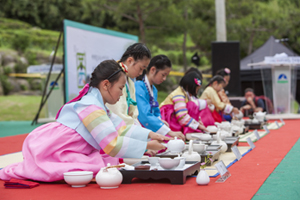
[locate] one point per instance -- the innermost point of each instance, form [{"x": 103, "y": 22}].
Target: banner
[{"x": 85, "y": 47}]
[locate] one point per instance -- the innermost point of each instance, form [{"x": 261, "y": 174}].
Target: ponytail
[{"x": 217, "y": 78}]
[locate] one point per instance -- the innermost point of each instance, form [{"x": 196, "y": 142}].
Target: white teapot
[
  {"x": 220, "y": 142},
  {"x": 260, "y": 116},
  {"x": 175, "y": 146},
  {"x": 109, "y": 178},
  {"x": 238, "y": 116},
  {"x": 212, "y": 129},
  {"x": 191, "y": 155}
]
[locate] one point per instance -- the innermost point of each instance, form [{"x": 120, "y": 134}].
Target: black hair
[
  {"x": 188, "y": 83},
  {"x": 137, "y": 50},
  {"x": 194, "y": 70},
  {"x": 105, "y": 70},
  {"x": 249, "y": 90},
  {"x": 160, "y": 62},
  {"x": 223, "y": 72},
  {"x": 217, "y": 78}
]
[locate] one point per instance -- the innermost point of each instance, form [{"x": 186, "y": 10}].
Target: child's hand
[
  {"x": 202, "y": 127},
  {"x": 155, "y": 145},
  {"x": 235, "y": 110},
  {"x": 208, "y": 101},
  {"x": 151, "y": 152},
  {"x": 166, "y": 123},
  {"x": 179, "y": 135},
  {"x": 155, "y": 136}
]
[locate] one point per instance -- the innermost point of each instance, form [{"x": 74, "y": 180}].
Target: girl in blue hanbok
[{"x": 146, "y": 96}]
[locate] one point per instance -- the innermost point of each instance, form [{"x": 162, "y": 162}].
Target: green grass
[
  {"x": 24, "y": 108},
  {"x": 161, "y": 96},
  {"x": 19, "y": 108}
]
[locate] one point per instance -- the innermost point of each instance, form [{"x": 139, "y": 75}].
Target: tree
[{"x": 138, "y": 14}]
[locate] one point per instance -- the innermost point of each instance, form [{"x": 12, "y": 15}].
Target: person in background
[
  {"x": 251, "y": 104},
  {"x": 225, "y": 73},
  {"x": 146, "y": 96},
  {"x": 135, "y": 59},
  {"x": 181, "y": 109},
  {"x": 84, "y": 127},
  {"x": 214, "y": 86}
]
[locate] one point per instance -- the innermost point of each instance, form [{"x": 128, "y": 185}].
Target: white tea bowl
[
  {"x": 199, "y": 147},
  {"x": 78, "y": 178},
  {"x": 168, "y": 163},
  {"x": 153, "y": 161},
  {"x": 181, "y": 163}
]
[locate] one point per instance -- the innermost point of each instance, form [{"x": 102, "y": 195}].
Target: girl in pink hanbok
[
  {"x": 182, "y": 110},
  {"x": 84, "y": 127}
]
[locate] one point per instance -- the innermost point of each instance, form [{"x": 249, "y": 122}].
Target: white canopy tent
[{"x": 280, "y": 85}]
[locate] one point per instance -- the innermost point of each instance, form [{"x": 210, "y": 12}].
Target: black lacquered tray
[
  {"x": 252, "y": 126},
  {"x": 231, "y": 142},
  {"x": 215, "y": 154},
  {"x": 167, "y": 154},
  {"x": 177, "y": 176}
]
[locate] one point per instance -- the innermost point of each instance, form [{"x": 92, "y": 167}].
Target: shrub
[
  {"x": 20, "y": 68},
  {"x": 20, "y": 42},
  {"x": 7, "y": 70},
  {"x": 7, "y": 87},
  {"x": 31, "y": 57},
  {"x": 23, "y": 87}
]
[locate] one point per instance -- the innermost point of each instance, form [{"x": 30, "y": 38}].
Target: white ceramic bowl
[
  {"x": 153, "y": 161},
  {"x": 131, "y": 161},
  {"x": 168, "y": 163},
  {"x": 78, "y": 178},
  {"x": 181, "y": 162},
  {"x": 199, "y": 147}
]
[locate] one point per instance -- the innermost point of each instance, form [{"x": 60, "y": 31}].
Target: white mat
[{"x": 11, "y": 158}]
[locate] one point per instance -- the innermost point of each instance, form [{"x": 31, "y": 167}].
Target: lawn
[
  {"x": 19, "y": 107},
  {"x": 24, "y": 108}
]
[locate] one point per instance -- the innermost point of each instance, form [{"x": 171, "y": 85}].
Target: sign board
[{"x": 85, "y": 47}]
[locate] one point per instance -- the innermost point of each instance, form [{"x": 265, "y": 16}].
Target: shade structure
[{"x": 279, "y": 78}]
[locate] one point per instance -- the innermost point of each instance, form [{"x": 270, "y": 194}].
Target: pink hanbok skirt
[
  {"x": 168, "y": 114},
  {"x": 52, "y": 149}
]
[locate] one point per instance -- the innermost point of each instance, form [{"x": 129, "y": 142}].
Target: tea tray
[
  {"x": 167, "y": 154},
  {"x": 231, "y": 142},
  {"x": 252, "y": 125},
  {"x": 176, "y": 176},
  {"x": 215, "y": 154}
]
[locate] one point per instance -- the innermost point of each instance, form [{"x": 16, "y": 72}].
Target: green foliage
[
  {"x": 20, "y": 68},
  {"x": 23, "y": 87},
  {"x": 161, "y": 96},
  {"x": 160, "y": 23},
  {"x": 35, "y": 84},
  {"x": 7, "y": 70},
  {"x": 25, "y": 38},
  {"x": 31, "y": 57},
  {"x": 7, "y": 87},
  {"x": 20, "y": 42}
]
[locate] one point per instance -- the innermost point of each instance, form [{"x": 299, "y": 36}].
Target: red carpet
[
  {"x": 247, "y": 175},
  {"x": 11, "y": 144}
]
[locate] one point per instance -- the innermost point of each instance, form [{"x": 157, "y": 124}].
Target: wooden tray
[
  {"x": 167, "y": 154},
  {"x": 252, "y": 126},
  {"x": 214, "y": 156},
  {"x": 231, "y": 142},
  {"x": 174, "y": 176}
]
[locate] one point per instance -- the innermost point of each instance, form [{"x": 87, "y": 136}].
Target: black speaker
[{"x": 227, "y": 54}]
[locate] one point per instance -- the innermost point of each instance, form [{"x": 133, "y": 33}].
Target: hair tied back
[
  {"x": 227, "y": 70},
  {"x": 197, "y": 81},
  {"x": 124, "y": 67}
]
